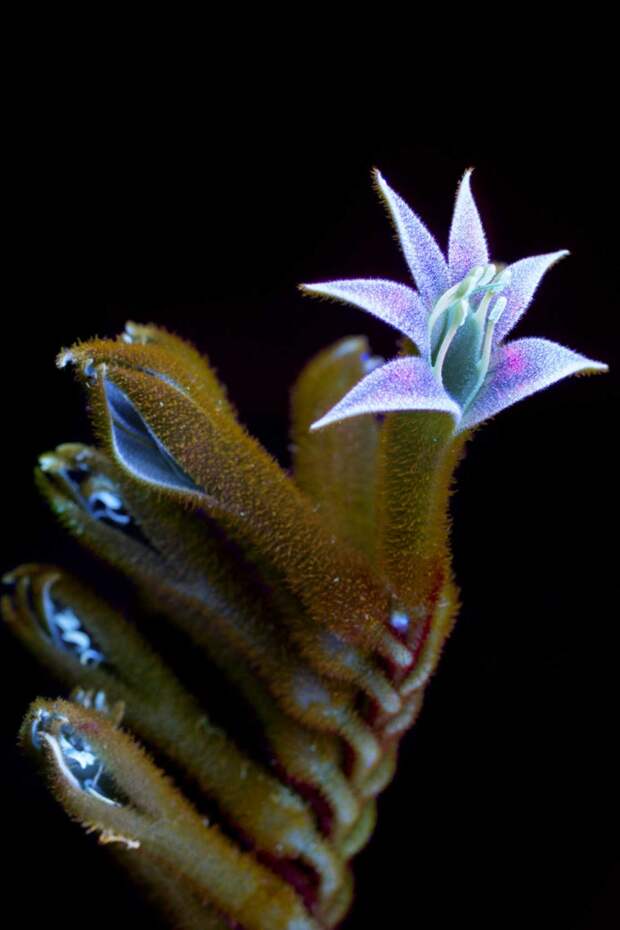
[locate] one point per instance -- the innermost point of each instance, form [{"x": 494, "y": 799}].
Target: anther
[
  {"x": 104, "y": 505},
  {"x": 483, "y": 306},
  {"x": 487, "y": 345},
  {"x": 496, "y": 311},
  {"x": 66, "y": 630},
  {"x": 76, "y": 758},
  {"x": 488, "y": 275},
  {"x": 457, "y": 292}
]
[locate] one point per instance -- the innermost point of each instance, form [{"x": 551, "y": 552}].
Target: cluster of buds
[{"x": 317, "y": 600}]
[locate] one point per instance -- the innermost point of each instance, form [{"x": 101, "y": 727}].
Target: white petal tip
[
  {"x": 554, "y": 257},
  {"x": 317, "y": 290},
  {"x": 379, "y": 180},
  {"x": 65, "y": 358},
  {"x": 319, "y": 424},
  {"x": 596, "y": 368}
]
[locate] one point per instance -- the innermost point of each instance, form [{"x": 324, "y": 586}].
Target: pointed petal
[
  {"x": 521, "y": 368},
  {"x": 467, "y": 247},
  {"x": 526, "y": 275},
  {"x": 404, "y": 384},
  {"x": 393, "y": 303},
  {"x": 423, "y": 255}
]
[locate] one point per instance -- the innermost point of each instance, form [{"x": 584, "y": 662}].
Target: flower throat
[{"x": 461, "y": 327}]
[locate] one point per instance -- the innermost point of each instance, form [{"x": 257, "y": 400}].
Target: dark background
[{"x": 502, "y": 813}]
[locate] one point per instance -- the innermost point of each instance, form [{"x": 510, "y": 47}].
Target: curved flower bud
[
  {"x": 158, "y": 429},
  {"x": 105, "y": 780}
]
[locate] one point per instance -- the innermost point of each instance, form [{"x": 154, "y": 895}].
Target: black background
[{"x": 502, "y": 813}]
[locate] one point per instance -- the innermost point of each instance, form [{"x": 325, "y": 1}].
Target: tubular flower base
[{"x": 317, "y": 602}]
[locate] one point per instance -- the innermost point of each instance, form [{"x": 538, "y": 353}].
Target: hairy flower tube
[{"x": 316, "y": 602}]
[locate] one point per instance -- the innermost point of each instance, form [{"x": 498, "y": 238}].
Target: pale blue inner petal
[{"x": 138, "y": 447}]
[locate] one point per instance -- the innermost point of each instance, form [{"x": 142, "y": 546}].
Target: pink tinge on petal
[
  {"x": 467, "y": 245},
  {"x": 514, "y": 360},
  {"x": 525, "y": 276},
  {"x": 422, "y": 254},
  {"x": 521, "y": 368},
  {"x": 393, "y": 303},
  {"x": 404, "y": 384}
]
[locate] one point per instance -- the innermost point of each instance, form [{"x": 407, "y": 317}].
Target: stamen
[
  {"x": 458, "y": 315},
  {"x": 485, "y": 354},
  {"x": 75, "y": 757},
  {"x": 470, "y": 282},
  {"x": 498, "y": 308},
  {"x": 458, "y": 291},
  {"x": 67, "y": 632},
  {"x": 455, "y": 308},
  {"x": 43, "y": 718},
  {"x": 104, "y": 505},
  {"x": 481, "y": 312},
  {"x": 97, "y": 700},
  {"x": 487, "y": 277}
]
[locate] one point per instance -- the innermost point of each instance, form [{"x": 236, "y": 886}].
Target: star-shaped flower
[{"x": 458, "y": 319}]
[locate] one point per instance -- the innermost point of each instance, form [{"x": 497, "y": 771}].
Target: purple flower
[{"x": 460, "y": 315}]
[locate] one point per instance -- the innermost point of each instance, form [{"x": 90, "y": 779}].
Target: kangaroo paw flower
[
  {"x": 458, "y": 319},
  {"x": 273, "y": 633}
]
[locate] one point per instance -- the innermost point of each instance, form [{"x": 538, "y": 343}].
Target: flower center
[{"x": 460, "y": 330}]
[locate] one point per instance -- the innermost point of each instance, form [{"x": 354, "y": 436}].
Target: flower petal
[
  {"x": 423, "y": 255},
  {"x": 138, "y": 448},
  {"x": 521, "y": 368},
  {"x": 393, "y": 303},
  {"x": 404, "y": 384},
  {"x": 526, "y": 275},
  {"x": 467, "y": 247}
]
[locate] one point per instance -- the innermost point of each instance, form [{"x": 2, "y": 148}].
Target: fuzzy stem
[{"x": 418, "y": 456}]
